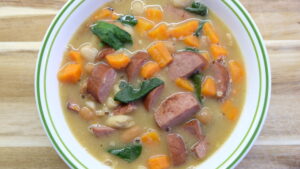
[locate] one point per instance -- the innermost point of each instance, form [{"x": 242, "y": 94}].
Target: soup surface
[{"x": 163, "y": 88}]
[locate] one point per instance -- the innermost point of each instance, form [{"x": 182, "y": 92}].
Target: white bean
[
  {"x": 89, "y": 53},
  {"x": 110, "y": 103},
  {"x": 120, "y": 121},
  {"x": 137, "y": 7},
  {"x": 91, "y": 104},
  {"x": 181, "y": 3}
]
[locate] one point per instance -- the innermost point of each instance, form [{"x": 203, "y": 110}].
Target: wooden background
[{"x": 23, "y": 143}]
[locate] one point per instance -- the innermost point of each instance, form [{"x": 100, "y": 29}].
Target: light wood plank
[
  {"x": 277, "y": 20},
  {"x": 30, "y": 157},
  {"x": 56, "y": 4},
  {"x": 272, "y": 157},
  {"x": 260, "y": 157}
]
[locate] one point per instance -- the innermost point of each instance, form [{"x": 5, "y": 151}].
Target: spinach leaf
[
  {"x": 191, "y": 49},
  {"x": 197, "y": 8},
  {"x": 129, "y": 94},
  {"x": 199, "y": 29},
  {"x": 128, "y": 19},
  {"x": 111, "y": 34},
  {"x": 128, "y": 153},
  {"x": 197, "y": 81}
]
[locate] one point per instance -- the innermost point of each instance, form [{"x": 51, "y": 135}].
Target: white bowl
[{"x": 228, "y": 155}]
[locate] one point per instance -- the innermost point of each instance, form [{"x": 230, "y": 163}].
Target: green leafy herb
[
  {"x": 128, "y": 153},
  {"x": 199, "y": 29},
  {"x": 128, "y": 19},
  {"x": 111, "y": 34},
  {"x": 101, "y": 45},
  {"x": 192, "y": 49},
  {"x": 197, "y": 81},
  {"x": 197, "y": 8},
  {"x": 129, "y": 94}
]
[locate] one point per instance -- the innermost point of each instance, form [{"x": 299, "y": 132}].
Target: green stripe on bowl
[{"x": 38, "y": 97}]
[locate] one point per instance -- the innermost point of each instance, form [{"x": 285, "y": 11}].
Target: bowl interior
[{"x": 73, "y": 15}]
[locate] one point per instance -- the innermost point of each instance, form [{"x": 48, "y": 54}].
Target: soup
[{"x": 152, "y": 84}]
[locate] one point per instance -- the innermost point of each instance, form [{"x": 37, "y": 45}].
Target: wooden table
[{"x": 23, "y": 143}]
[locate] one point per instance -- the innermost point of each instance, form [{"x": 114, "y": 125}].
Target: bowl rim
[{"x": 233, "y": 6}]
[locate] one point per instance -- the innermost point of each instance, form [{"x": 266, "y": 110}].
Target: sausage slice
[
  {"x": 101, "y": 82},
  {"x": 152, "y": 97},
  {"x": 137, "y": 61},
  {"x": 200, "y": 149},
  {"x": 177, "y": 149},
  {"x": 125, "y": 109},
  {"x": 194, "y": 128},
  {"x": 100, "y": 130},
  {"x": 103, "y": 53},
  {"x": 176, "y": 109},
  {"x": 185, "y": 64},
  {"x": 221, "y": 75}
]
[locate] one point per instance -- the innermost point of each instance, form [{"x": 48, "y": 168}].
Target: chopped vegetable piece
[
  {"x": 128, "y": 20},
  {"x": 185, "y": 84},
  {"x": 150, "y": 138},
  {"x": 192, "y": 40},
  {"x": 105, "y": 13},
  {"x": 76, "y": 57},
  {"x": 236, "y": 71},
  {"x": 200, "y": 28},
  {"x": 111, "y": 34},
  {"x": 128, "y": 153},
  {"x": 129, "y": 94},
  {"x": 210, "y": 33},
  {"x": 118, "y": 60},
  {"x": 160, "y": 53},
  {"x": 229, "y": 110},
  {"x": 149, "y": 69},
  {"x": 218, "y": 51},
  {"x": 70, "y": 73},
  {"x": 143, "y": 25},
  {"x": 160, "y": 32},
  {"x": 114, "y": 16},
  {"x": 184, "y": 29},
  {"x": 197, "y": 8},
  {"x": 154, "y": 14},
  {"x": 209, "y": 88},
  {"x": 205, "y": 116},
  {"x": 197, "y": 81},
  {"x": 131, "y": 133},
  {"x": 159, "y": 162}
]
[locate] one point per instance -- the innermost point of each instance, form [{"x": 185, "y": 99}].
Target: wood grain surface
[{"x": 23, "y": 143}]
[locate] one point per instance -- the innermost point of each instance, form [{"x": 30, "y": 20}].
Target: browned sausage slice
[
  {"x": 137, "y": 61},
  {"x": 194, "y": 128},
  {"x": 200, "y": 149},
  {"x": 125, "y": 109},
  {"x": 103, "y": 53},
  {"x": 177, "y": 149},
  {"x": 221, "y": 76},
  {"x": 101, "y": 82},
  {"x": 100, "y": 130},
  {"x": 185, "y": 64},
  {"x": 176, "y": 109},
  {"x": 152, "y": 97}
]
